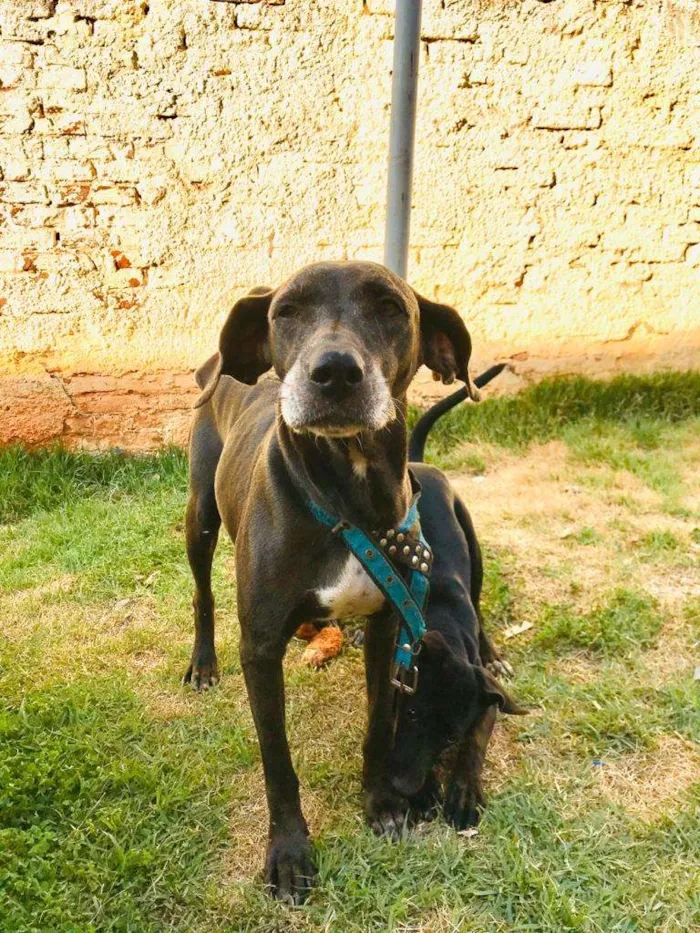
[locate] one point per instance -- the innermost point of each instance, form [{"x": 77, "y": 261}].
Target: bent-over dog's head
[
  {"x": 345, "y": 339},
  {"x": 452, "y": 696}
]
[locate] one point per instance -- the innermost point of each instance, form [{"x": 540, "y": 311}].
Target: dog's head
[
  {"x": 452, "y": 696},
  {"x": 345, "y": 339}
]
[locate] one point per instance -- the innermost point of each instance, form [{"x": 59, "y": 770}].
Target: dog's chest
[{"x": 353, "y": 593}]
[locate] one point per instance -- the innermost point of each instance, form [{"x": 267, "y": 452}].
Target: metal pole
[{"x": 404, "y": 91}]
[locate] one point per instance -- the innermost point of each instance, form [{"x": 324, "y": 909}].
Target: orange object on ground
[{"x": 324, "y": 645}]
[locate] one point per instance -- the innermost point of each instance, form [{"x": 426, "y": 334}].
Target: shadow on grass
[{"x": 38, "y": 480}]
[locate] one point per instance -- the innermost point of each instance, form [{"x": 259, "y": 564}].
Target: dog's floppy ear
[
  {"x": 445, "y": 343},
  {"x": 244, "y": 346},
  {"x": 493, "y": 692}
]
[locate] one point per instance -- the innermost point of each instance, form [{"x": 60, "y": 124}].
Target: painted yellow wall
[{"x": 160, "y": 157}]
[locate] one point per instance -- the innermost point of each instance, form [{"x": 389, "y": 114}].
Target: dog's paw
[
  {"x": 386, "y": 812},
  {"x": 499, "y": 667},
  {"x": 463, "y": 805},
  {"x": 289, "y": 868},
  {"x": 202, "y": 673}
]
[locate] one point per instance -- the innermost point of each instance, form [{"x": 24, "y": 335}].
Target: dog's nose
[{"x": 337, "y": 370}]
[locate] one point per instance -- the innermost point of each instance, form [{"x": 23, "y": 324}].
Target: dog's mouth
[
  {"x": 308, "y": 409},
  {"x": 330, "y": 424},
  {"x": 333, "y": 430}
]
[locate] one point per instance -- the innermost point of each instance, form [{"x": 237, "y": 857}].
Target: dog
[
  {"x": 457, "y": 697},
  {"x": 344, "y": 341}
]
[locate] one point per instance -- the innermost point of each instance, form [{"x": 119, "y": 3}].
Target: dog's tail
[{"x": 419, "y": 435}]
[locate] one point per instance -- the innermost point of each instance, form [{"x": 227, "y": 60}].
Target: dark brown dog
[{"x": 344, "y": 340}]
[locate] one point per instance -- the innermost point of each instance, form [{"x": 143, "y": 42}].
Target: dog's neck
[{"x": 362, "y": 479}]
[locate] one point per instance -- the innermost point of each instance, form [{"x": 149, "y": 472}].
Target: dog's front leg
[
  {"x": 384, "y": 807},
  {"x": 289, "y": 866},
  {"x": 202, "y": 523}
]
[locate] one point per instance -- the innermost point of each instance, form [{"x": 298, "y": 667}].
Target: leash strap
[{"x": 409, "y": 601}]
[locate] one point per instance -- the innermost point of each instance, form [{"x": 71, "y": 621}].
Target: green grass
[
  {"x": 104, "y": 823},
  {"x": 588, "y": 535},
  {"x": 618, "y": 446},
  {"x": 129, "y": 804},
  {"x": 111, "y": 545},
  {"x": 625, "y": 622},
  {"x": 498, "y": 602},
  {"x": 44, "y": 479},
  {"x": 655, "y": 542}
]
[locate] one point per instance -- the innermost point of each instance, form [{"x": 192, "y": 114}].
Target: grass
[
  {"x": 103, "y": 821},
  {"x": 638, "y": 405},
  {"x": 39, "y": 480},
  {"x": 626, "y": 619},
  {"x": 131, "y": 805}
]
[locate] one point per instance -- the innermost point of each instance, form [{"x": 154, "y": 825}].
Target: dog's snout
[
  {"x": 337, "y": 370},
  {"x": 336, "y": 386},
  {"x": 408, "y": 783}
]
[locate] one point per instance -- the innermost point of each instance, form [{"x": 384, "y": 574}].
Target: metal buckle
[{"x": 399, "y": 680}]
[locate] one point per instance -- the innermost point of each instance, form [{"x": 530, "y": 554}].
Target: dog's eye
[
  {"x": 286, "y": 310},
  {"x": 389, "y": 307},
  {"x": 411, "y": 713}
]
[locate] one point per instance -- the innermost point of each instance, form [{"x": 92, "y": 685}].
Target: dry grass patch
[
  {"x": 568, "y": 542},
  {"x": 676, "y": 652},
  {"x": 649, "y": 784},
  {"x": 56, "y": 637},
  {"x": 61, "y": 584},
  {"x": 673, "y": 589},
  {"x": 577, "y": 668},
  {"x": 505, "y": 754}
]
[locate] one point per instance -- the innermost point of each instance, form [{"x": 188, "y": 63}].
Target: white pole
[{"x": 404, "y": 92}]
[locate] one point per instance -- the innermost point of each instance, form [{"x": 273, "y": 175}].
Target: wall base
[{"x": 140, "y": 411}]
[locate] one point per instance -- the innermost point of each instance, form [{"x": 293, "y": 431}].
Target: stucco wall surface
[{"x": 160, "y": 157}]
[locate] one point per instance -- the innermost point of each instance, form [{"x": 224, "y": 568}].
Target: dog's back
[{"x": 456, "y": 577}]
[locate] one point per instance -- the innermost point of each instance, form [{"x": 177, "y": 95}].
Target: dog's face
[
  {"x": 345, "y": 340},
  {"x": 344, "y": 343},
  {"x": 452, "y": 696}
]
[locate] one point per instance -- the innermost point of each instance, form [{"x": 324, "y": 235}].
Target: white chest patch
[{"x": 353, "y": 594}]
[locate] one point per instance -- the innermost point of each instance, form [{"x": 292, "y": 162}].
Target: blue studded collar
[{"x": 384, "y": 554}]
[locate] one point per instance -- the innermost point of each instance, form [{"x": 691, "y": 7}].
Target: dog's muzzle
[{"x": 337, "y": 396}]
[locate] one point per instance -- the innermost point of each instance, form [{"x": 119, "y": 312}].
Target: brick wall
[{"x": 158, "y": 157}]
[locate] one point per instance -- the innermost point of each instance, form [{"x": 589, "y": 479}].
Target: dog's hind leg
[{"x": 202, "y": 524}]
